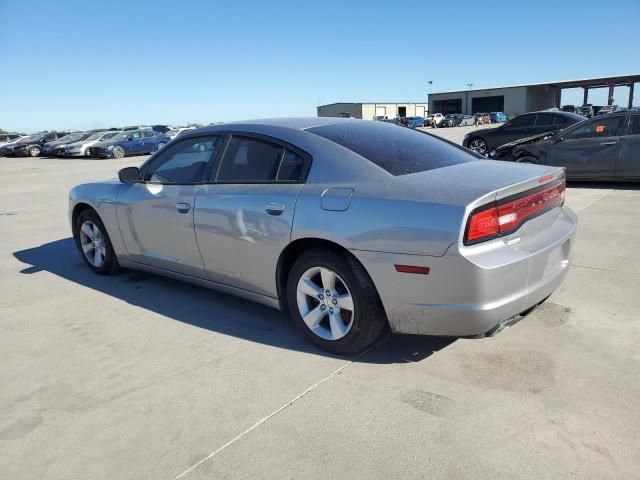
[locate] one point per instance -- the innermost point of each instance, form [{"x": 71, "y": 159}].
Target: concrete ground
[{"x": 140, "y": 377}]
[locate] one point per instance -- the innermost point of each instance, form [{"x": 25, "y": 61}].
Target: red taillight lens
[
  {"x": 507, "y": 216},
  {"x": 483, "y": 224}
]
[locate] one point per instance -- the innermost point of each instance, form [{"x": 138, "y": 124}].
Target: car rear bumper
[{"x": 473, "y": 291}]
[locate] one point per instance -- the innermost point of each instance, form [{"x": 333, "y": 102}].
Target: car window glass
[
  {"x": 522, "y": 121},
  {"x": 249, "y": 160},
  {"x": 399, "y": 151},
  {"x": 544, "y": 119},
  {"x": 183, "y": 162},
  {"x": 599, "y": 128},
  {"x": 559, "y": 120},
  {"x": 136, "y": 135},
  {"x": 148, "y": 134},
  {"x": 634, "y": 127},
  {"x": 292, "y": 167}
]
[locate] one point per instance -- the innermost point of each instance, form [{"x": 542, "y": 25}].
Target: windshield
[
  {"x": 121, "y": 135},
  {"x": 72, "y": 137},
  {"x": 95, "y": 136}
]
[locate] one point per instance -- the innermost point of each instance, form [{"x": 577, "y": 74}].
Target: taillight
[{"x": 509, "y": 214}]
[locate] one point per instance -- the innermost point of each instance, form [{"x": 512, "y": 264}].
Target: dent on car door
[
  {"x": 628, "y": 162},
  {"x": 243, "y": 219},
  {"x": 156, "y": 215},
  {"x": 590, "y": 150}
]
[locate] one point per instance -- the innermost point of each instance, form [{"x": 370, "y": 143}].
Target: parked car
[
  {"x": 569, "y": 108},
  {"x": 451, "y": 120},
  {"x": 413, "y": 122},
  {"x": 81, "y": 147},
  {"x": 433, "y": 120},
  {"x": 522, "y": 126},
  {"x": 129, "y": 142},
  {"x": 603, "y": 148},
  {"x": 352, "y": 226},
  {"x": 467, "y": 120},
  {"x": 587, "y": 110},
  {"x": 482, "y": 118},
  {"x": 174, "y": 132},
  {"x": 6, "y": 138},
  {"x": 497, "y": 117},
  {"x": 31, "y": 145},
  {"x": 607, "y": 109},
  {"x": 56, "y": 148}
]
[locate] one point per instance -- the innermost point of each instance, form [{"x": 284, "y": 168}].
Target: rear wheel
[
  {"x": 333, "y": 300},
  {"x": 478, "y": 145},
  {"x": 35, "y": 151},
  {"x": 118, "y": 152},
  {"x": 94, "y": 244}
]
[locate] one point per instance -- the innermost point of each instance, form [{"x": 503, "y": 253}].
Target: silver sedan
[{"x": 353, "y": 226}]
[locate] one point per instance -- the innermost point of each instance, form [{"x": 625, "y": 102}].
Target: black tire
[
  {"x": 35, "y": 151},
  {"x": 118, "y": 152},
  {"x": 369, "y": 318},
  {"x": 110, "y": 265}
]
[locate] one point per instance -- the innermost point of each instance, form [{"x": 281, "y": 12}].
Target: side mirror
[{"x": 129, "y": 175}]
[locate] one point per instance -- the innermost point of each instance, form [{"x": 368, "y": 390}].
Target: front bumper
[
  {"x": 100, "y": 153},
  {"x": 472, "y": 291}
]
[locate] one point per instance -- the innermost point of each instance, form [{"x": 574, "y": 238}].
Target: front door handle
[
  {"x": 608, "y": 143},
  {"x": 274, "y": 208},
  {"x": 183, "y": 207}
]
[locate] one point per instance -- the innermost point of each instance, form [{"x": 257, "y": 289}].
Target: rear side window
[
  {"x": 560, "y": 121},
  {"x": 522, "y": 121},
  {"x": 398, "y": 150}
]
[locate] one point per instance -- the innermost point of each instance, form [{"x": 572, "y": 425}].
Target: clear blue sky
[{"x": 85, "y": 64}]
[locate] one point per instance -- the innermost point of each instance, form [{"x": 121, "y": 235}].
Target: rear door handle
[
  {"x": 608, "y": 143},
  {"x": 274, "y": 208},
  {"x": 183, "y": 207}
]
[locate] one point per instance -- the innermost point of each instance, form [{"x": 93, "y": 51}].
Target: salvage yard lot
[{"x": 141, "y": 377}]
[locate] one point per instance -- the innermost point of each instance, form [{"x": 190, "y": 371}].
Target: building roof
[
  {"x": 371, "y": 103},
  {"x": 581, "y": 82}
]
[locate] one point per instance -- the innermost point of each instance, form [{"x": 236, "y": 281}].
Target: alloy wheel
[
  {"x": 34, "y": 151},
  {"x": 478, "y": 145},
  {"x": 92, "y": 243},
  {"x": 325, "y": 303},
  {"x": 118, "y": 152}
]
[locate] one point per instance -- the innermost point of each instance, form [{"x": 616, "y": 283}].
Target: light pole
[
  {"x": 467, "y": 102},
  {"x": 430, "y": 82}
]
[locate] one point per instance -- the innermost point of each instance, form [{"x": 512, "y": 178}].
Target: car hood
[
  {"x": 523, "y": 141},
  {"x": 482, "y": 132},
  {"x": 105, "y": 143}
]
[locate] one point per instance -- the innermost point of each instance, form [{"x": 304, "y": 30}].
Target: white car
[
  {"x": 434, "y": 119},
  {"x": 174, "y": 132},
  {"x": 7, "y": 138},
  {"x": 81, "y": 147}
]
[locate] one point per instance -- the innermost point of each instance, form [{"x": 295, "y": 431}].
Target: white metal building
[{"x": 371, "y": 110}]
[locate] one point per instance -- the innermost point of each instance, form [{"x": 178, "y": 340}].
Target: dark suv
[{"x": 529, "y": 124}]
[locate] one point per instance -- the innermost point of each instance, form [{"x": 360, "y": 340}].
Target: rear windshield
[{"x": 398, "y": 150}]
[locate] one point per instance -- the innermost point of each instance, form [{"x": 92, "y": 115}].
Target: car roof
[{"x": 295, "y": 123}]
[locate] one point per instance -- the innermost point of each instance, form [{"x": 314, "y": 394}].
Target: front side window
[
  {"x": 599, "y": 128},
  {"x": 544, "y": 120},
  {"x": 148, "y": 134},
  {"x": 183, "y": 162},
  {"x": 560, "y": 121},
  {"x": 249, "y": 160},
  {"x": 634, "y": 126},
  {"x": 136, "y": 135}
]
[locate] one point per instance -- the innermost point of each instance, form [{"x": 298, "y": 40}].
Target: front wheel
[
  {"x": 333, "y": 299},
  {"x": 118, "y": 152},
  {"x": 527, "y": 159},
  {"x": 478, "y": 145},
  {"x": 94, "y": 244},
  {"x": 35, "y": 151}
]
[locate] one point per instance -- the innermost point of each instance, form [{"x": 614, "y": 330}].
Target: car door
[
  {"x": 628, "y": 162},
  {"x": 149, "y": 142},
  {"x": 544, "y": 123},
  {"x": 156, "y": 215},
  {"x": 132, "y": 144},
  {"x": 243, "y": 218},
  {"x": 519, "y": 127},
  {"x": 588, "y": 151}
]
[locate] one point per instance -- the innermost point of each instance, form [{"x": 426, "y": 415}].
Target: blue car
[
  {"x": 498, "y": 117},
  {"x": 132, "y": 142},
  {"x": 413, "y": 122}
]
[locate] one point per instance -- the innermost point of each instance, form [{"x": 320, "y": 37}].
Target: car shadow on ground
[{"x": 207, "y": 309}]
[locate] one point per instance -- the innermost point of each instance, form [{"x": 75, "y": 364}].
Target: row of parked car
[
  {"x": 606, "y": 147},
  {"x": 113, "y": 143},
  {"x": 439, "y": 120}
]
